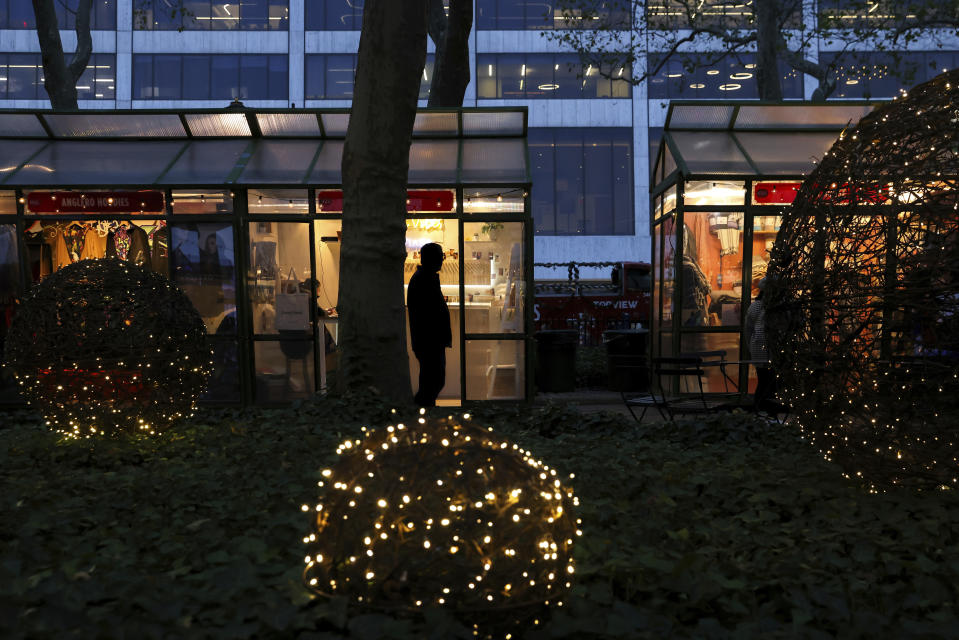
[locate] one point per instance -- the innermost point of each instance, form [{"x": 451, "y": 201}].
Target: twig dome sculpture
[
  {"x": 105, "y": 346},
  {"x": 863, "y": 297},
  {"x": 445, "y": 514}
]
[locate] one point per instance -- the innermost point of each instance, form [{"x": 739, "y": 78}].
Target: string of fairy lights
[
  {"x": 103, "y": 347},
  {"x": 862, "y": 300},
  {"x": 441, "y": 513}
]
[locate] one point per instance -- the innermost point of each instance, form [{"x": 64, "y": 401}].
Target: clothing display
[
  {"x": 53, "y": 245},
  {"x": 8, "y": 260}
]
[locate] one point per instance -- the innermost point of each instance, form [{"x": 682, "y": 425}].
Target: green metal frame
[{"x": 680, "y": 177}]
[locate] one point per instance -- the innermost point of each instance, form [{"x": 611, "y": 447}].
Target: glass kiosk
[{"x": 243, "y": 210}]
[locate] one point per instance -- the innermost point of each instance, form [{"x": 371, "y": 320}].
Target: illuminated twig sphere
[
  {"x": 863, "y": 297},
  {"x": 106, "y": 346},
  {"x": 441, "y": 513}
]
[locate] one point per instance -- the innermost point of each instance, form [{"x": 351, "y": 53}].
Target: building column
[
  {"x": 297, "y": 47},
  {"x": 124, "y": 60}
]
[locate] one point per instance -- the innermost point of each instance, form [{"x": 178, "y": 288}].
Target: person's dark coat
[
  {"x": 429, "y": 315},
  {"x": 139, "y": 252}
]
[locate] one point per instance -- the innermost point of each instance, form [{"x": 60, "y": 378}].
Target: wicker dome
[
  {"x": 446, "y": 514},
  {"x": 105, "y": 346},
  {"x": 863, "y": 295}
]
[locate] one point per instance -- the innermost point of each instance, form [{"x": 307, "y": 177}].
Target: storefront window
[
  {"x": 494, "y": 370},
  {"x": 493, "y": 277},
  {"x": 9, "y": 286},
  {"x": 669, "y": 200},
  {"x": 712, "y": 269},
  {"x": 717, "y": 379},
  {"x": 765, "y": 229},
  {"x": 443, "y": 231},
  {"x": 278, "y": 201},
  {"x": 224, "y": 383},
  {"x": 284, "y": 370},
  {"x": 52, "y": 245},
  {"x": 669, "y": 271},
  {"x": 203, "y": 265},
  {"x": 655, "y": 321},
  {"x": 202, "y": 201},
  {"x": 280, "y": 289},
  {"x": 327, "y": 234}
]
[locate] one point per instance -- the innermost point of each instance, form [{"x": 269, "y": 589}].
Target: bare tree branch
[{"x": 84, "y": 41}]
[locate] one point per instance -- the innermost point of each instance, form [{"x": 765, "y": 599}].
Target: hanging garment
[
  {"x": 74, "y": 236},
  {"x": 94, "y": 245},
  {"x": 53, "y": 236},
  {"x": 121, "y": 240},
  {"x": 38, "y": 256},
  {"x": 111, "y": 251},
  {"x": 139, "y": 248},
  {"x": 8, "y": 261},
  {"x": 160, "y": 253}
]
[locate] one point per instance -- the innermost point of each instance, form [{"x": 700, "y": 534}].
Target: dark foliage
[{"x": 707, "y": 529}]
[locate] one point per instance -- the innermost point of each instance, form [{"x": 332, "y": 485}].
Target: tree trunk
[
  {"x": 391, "y": 58},
  {"x": 59, "y": 77},
  {"x": 451, "y": 72},
  {"x": 768, "y": 81}
]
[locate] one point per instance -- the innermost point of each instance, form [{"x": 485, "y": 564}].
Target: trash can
[
  {"x": 556, "y": 359},
  {"x": 627, "y": 368}
]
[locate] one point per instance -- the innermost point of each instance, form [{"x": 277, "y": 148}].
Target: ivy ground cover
[{"x": 723, "y": 528}]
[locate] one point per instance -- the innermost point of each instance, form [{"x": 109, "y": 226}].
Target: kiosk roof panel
[
  {"x": 711, "y": 152},
  {"x": 205, "y": 162},
  {"x": 280, "y": 161},
  {"x": 88, "y": 162}
]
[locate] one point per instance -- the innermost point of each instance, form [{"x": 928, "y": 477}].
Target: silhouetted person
[
  {"x": 430, "y": 333},
  {"x": 756, "y": 339}
]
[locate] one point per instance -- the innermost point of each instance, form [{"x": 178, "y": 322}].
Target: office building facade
[{"x": 591, "y": 137}]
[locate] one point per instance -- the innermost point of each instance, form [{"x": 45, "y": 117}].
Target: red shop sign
[
  {"x": 433, "y": 200},
  {"x": 95, "y": 202},
  {"x": 775, "y": 192}
]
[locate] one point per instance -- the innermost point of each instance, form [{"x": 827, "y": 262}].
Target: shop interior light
[
  {"x": 715, "y": 193},
  {"x": 740, "y": 76},
  {"x": 712, "y": 72},
  {"x": 697, "y": 85},
  {"x": 732, "y": 86}
]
